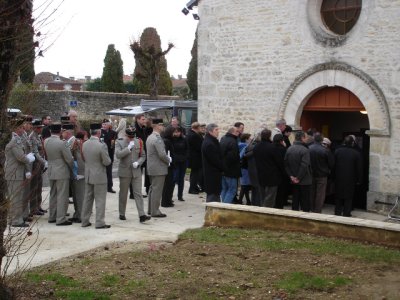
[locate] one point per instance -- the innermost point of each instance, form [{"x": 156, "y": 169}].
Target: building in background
[
  {"x": 329, "y": 65},
  {"x": 54, "y": 82}
]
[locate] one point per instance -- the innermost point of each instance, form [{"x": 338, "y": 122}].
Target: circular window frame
[
  {"x": 336, "y": 21},
  {"x": 320, "y": 31}
]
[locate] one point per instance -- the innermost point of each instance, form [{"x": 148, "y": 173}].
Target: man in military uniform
[
  {"x": 157, "y": 165},
  {"x": 28, "y": 193},
  {"x": 96, "y": 160},
  {"x": 60, "y": 163},
  {"x": 16, "y": 165},
  {"x": 39, "y": 165},
  {"x": 130, "y": 151},
  {"x": 109, "y": 137}
]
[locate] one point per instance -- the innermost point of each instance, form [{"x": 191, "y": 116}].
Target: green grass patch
[
  {"x": 272, "y": 240},
  {"x": 132, "y": 285},
  {"x": 81, "y": 295},
  {"x": 59, "y": 279},
  {"x": 181, "y": 274},
  {"x": 110, "y": 280},
  {"x": 300, "y": 281}
]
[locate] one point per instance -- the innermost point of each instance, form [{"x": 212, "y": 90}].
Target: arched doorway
[{"x": 337, "y": 112}]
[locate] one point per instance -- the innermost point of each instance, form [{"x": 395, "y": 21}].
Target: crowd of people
[{"x": 264, "y": 168}]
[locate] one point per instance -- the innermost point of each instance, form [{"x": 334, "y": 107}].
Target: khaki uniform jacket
[
  {"x": 16, "y": 162},
  {"x": 127, "y": 157},
  {"x": 37, "y": 147},
  {"x": 157, "y": 159},
  {"x": 59, "y": 158},
  {"x": 96, "y": 160}
]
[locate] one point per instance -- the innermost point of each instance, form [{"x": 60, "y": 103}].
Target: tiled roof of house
[
  {"x": 47, "y": 77},
  {"x": 177, "y": 83}
]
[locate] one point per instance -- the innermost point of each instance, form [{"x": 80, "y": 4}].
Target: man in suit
[
  {"x": 96, "y": 159},
  {"x": 60, "y": 163},
  {"x": 157, "y": 165},
  {"x": 16, "y": 165},
  {"x": 109, "y": 137},
  {"x": 130, "y": 151}
]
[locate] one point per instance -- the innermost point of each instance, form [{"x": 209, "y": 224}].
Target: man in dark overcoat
[
  {"x": 109, "y": 136},
  {"x": 347, "y": 173},
  {"x": 195, "y": 140},
  {"x": 212, "y": 163},
  {"x": 270, "y": 168}
]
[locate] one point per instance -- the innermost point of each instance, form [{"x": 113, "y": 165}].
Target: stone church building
[{"x": 324, "y": 64}]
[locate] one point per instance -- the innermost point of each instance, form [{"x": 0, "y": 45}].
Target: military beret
[
  {"x": 68, "y": 126},
  {"x": 130, "y": 132},
  {"x": 106, "y": 121},
  {"x": 37, "y": 123},
  {"x": 95, "y": 126},
  {"x": 56, "y": 127},
  {"x": 158, "y": 121}
]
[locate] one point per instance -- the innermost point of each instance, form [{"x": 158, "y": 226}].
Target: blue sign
[{"x": 73, "y": 103}]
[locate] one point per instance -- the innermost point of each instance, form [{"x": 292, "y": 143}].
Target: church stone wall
[{"x": 251, "y": 52}]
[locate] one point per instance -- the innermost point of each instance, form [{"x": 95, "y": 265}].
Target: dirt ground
[{"x": 217, "y": 263}]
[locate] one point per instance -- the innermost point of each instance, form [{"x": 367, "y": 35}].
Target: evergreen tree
[
  {"x": 151, "y": 75},
  {"x": 113, "y": 72},
  {"x": 192, "y": 71},
  {"x": 26, "y": 55},
  {"x": 94, "y": 86}
]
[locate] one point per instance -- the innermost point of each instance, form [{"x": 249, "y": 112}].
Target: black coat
[
  {"x": 109, "y": 137},
  {"x": 180, "y": 149},
  {"x": 141, "y": 133},
  {"x": 298, "y": 164},
  {"x": 347, "y": 171},
  {"x": 322, "y": 160},
  {"x": 230, "y": 156},
  {"x": 212, "y": 165},
  {"x": 169, "y": 147},
  {"x": 270, "y": 164},
  {"x": 251, "y": 164},
  {"x": 194, "y": 140}
]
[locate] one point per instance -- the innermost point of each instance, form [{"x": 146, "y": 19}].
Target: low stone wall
[
  {"x": 229, "y": 215},
  {"x": 89, "y": 105}
]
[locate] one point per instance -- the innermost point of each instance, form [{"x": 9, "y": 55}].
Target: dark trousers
[
  {"x": 255, "y": 195},
  {"x": 245, "y": 192},
  {"x": 301, "y": 197},
  {"x": 36, "y": 187},
  {"x": 344, "y": 201},
  {"x": 168, "y": 189},
  {"x": 318, "y": 192},
  {"x": 179, "y": 177},
  {"x": 213, "y": 198},
  {"x": 196, "y": 179},
  {"x": 109, "y": 177}
]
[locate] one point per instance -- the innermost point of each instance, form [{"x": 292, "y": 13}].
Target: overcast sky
[{"x": 77, "y": 34}]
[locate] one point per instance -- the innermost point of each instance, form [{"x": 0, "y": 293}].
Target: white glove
[
  {"x": 131, "y": 144},
  {"x": 170, "y": 159},
  {"x": 46, "y": 164},
  {"x": 135, "y": 164},
  {"x": 79, "y": 177},
  {"x": 28, "y": 175},
  {"x": 31, "y": 157}
]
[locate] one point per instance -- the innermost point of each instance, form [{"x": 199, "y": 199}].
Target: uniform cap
[
  {"x": 64, "y": 119},
  {"x": 55, "y": 127},
  {"x": 37, "y": 123},
  {"x": 68, "y": 126},
  {"x": 95, "y": 126},
  {"x": 158, "y": 121},
  {"x": 130, "y": 132}
]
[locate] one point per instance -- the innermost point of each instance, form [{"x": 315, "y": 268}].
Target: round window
[{"x": 340, "y": 16}]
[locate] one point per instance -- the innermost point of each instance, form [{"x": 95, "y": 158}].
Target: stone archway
[{"x": 337, "y": 74}]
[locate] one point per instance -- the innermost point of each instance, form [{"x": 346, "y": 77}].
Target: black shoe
[
  {"x": 160, "y": 216},
  {"x": 43, "y": 210},
  {"x": 144, "y": 218},
  {"x": 131, "y": 197},
  {"x": 75, "y": 220},
  {"x": 71, "y": 202},
  {"x": 194, "y": 192},
  {"x": 121, "y": 217},
  {"x": 87, "y": 225},
  {"x": 38, "y": 213},
  {"x": 66, "y": 223},
  {"x": 168, "y": 205},
  {"x": 21, "y": 225},
  {"x": 52, "y": 221},
  {"x": 67, "y": 214},
  {"x": 111, "y": 191},
  {"x": 103, "y": 227},
  {"x": 28, "y": 219},
  {"x": 181, "y": 199},
  {"x": 144, "y": 196}
]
